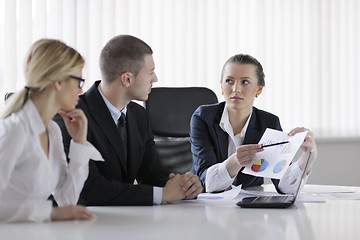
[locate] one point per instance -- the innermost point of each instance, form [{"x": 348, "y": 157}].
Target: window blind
[{"x": 309, "y": 48}]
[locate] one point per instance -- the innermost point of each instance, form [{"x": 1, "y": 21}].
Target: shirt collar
[
  {"x": 115, "y": 113},
  {"x": 226, "y": 126},
  {"x": 36, "y": 123}
]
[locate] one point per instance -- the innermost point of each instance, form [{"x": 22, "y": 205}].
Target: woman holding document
[
  {"x": 33, "y": 164},
  {"x": 224, "y": 136}
]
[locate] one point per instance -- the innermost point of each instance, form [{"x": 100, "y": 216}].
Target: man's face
[{"x": 143, "y": 82}]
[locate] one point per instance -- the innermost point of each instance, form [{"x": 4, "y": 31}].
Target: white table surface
[{"x": 203, "y": 219}]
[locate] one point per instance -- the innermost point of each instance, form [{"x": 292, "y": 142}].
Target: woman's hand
[
  {"x": 71, "y": 212},
  {"x": 309, "y": 144},
  {"x": 76, "y": 124},
  {"x": 243, "y": 156}
]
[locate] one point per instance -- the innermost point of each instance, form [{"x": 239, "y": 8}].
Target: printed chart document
[{"x": 274, "y": 160}]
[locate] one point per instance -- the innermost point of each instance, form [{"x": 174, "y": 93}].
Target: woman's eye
[
  {"x": 228, "y": 80},
  {"x": 245, "y": 82}
]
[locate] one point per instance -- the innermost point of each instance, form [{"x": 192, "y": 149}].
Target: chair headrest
[{"x": 170, "y": 109}]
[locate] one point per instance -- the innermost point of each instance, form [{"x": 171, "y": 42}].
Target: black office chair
[{"x": 169, "y": 111}]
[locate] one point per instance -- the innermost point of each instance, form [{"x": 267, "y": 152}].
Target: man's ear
[{"x": 126, "y": 78}]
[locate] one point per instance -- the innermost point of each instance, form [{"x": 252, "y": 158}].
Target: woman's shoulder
[
  {"x": 264, "y": 115},
  {"x": 13, "y": 126},
  {"x": 209, "y": 110}
]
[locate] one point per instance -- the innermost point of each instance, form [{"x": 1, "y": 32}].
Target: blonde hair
[{"x": 47, "y": 61}]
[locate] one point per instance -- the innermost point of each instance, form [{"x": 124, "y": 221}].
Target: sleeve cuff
[
  {"x": 33, "y": 211},
  {"x": 158, "y": 192},
  {"x": 295, "y": 169},
  {"x": 78, "y": 152},
  {"x": 217, "y": 178},
  {"x": 289, "y": 182},
  {"x": 224, "y": 174}
]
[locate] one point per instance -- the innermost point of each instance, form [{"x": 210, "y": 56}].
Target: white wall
[
  {"x": 338, "y": 162},
  {"x": 308, "y": 48}
]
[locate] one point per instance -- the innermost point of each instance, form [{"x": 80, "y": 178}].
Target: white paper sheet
[
  {"x": 226, "y": 195},
  {"x": 326, "y": 189},
  {"x": 273, "y": 161},
  {"x": 341, "y": 196}
]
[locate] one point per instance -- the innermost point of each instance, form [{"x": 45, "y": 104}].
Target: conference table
[{"x": 208, "y": 219}]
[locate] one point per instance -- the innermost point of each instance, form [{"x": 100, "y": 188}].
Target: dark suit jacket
[
  {"x": 111, "y": 182},
  {"x": 209, "y": 143}
]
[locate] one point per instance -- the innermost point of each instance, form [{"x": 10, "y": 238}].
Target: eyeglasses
[{"x": 81, "y": 81}]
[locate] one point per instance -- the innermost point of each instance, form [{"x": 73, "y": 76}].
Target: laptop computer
[{"x": 273, "y": 201}]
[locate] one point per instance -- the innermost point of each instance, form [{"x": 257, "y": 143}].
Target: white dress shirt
[
  {"x": 28, "y": 177},
  {"x": 217, "y": 176},
  {"x": 115, "y": 114}
]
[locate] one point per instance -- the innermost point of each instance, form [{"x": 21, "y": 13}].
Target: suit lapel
[
  {"x": 253, "y": 132},
  {"x": 101, "y": 115},
  {"x": 222, "y": 137}
]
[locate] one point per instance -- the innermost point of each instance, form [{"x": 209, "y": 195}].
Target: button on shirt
[
  {"x": 217, "y": 176},
  {"x": 115, "y": 114},
  {"x": 28, "y": 177}
]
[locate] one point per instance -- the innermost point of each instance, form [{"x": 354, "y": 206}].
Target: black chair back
[{"x": 170, "y": 111}]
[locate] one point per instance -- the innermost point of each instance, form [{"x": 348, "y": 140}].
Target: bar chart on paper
[{"x": 287, "y": 148}]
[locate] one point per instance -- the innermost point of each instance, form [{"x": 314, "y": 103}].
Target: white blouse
[
  {"x": 218, "y": 178},
  {"x": 28, "y": 177}
]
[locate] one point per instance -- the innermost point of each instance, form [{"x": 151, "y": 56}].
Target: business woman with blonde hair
[{"x": 33, "y": 163}]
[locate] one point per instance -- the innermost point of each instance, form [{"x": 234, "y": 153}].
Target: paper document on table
[
  {"x": 341, "y": 196},
  {"x": 326, "y": 189},
  {"x": 274, "y": 160},
  {"x": 309, "y": 198},
  {"x": 226, "y": 195}
]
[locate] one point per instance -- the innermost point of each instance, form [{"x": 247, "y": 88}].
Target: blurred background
[{"x": 310, "y": 51}]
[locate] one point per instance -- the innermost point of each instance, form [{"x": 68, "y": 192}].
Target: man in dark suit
[{"x": 120, "y": 130}]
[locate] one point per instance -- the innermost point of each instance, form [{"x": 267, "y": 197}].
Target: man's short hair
[{"x": 123, "y": 53}]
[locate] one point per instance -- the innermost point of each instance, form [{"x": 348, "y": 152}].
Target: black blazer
[
  {"x": 111, "y": 182},
  {"x": 209, "y": 143}
]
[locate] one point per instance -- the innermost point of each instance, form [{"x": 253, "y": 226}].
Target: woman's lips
[{"x": 237, "y": 98}]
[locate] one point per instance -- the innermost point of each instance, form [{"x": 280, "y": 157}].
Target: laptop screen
[{"x": 302, "y": 176}]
